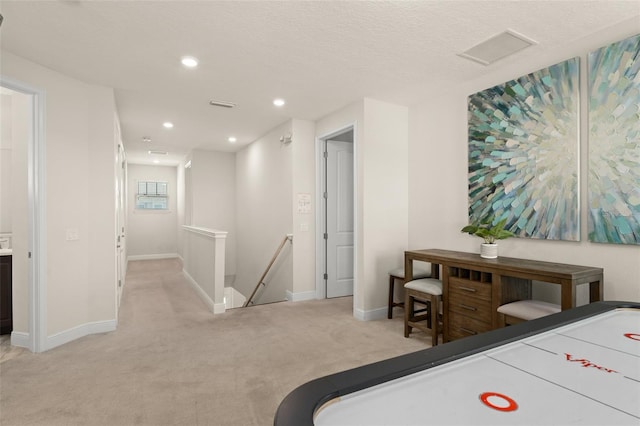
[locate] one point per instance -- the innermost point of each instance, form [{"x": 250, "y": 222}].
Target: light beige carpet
[{"x": 171, "y": 362}]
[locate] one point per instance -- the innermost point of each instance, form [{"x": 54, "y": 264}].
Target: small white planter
[{"x": 489, "y": 251}]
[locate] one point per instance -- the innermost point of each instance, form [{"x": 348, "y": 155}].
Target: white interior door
[{"x": 339, "y": 217}]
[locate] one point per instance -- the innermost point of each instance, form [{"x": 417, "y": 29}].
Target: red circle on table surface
[
  {"x": 632, "y": 336},
  {"x": 485, "y": 399}
]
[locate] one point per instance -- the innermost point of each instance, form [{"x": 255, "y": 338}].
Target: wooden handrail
[{"x": 266, "y": 271}]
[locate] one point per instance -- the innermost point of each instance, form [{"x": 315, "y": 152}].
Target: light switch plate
[{"x": 72, "y": 234}]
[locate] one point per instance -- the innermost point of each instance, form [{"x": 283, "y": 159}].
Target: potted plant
[{"x": 489, "y": 233}]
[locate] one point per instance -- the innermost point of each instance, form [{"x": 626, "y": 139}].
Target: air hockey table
[{"x": 580, "y": 366}]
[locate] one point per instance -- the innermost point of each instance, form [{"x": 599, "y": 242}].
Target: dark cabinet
[{"x": 6, "y": 314}]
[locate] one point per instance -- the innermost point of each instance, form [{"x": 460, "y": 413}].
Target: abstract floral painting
[
  {"x": 614, "y": 143},
  {"x": 524, "y": 154}
]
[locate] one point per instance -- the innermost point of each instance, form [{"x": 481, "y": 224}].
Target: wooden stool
[
  {"x": 398, "y": 274},
  {"x": 525, "y": 310},
  {"x": 426, "y": 290}
]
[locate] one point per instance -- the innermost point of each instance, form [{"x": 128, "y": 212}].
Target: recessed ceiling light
[
  {"x": 189, "y": 61},
  {"x": 156, "y": 161},
  {"x": 278, "y": 102},
  {"x": 167, "y": 124},
  {"x": 232, "y": 139},
  {"x": 158, "y": 152}
]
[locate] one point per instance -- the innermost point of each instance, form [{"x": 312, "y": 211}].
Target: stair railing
[{"x": 288, "y": 237}]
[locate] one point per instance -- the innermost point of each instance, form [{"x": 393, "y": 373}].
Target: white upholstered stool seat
[
  {"x": 398, "y": 274},
  {"x": 417, "y": 273},
  {"x": 525, "y": 310},
  {"x": 425, "y": 290},
  {"x": 426, "y": 285}
]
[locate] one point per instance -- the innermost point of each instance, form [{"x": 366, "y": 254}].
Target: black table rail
[{"x": 299, "y": 407}]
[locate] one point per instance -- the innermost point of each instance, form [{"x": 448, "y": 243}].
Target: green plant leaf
[{"x": 488, "y": 232}]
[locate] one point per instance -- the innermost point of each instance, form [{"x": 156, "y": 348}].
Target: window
[{"x": 152, "y": 196}]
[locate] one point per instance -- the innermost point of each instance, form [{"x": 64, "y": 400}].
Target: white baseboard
[
  {"x": 303, "y": 295},
  {"x": 374, "y": 314},
  {"x": 219, "y": 308},
  {"x": 21, "y": 339},
  {"x": 233, "y": 298},
  {"x": 216, "y": 308},
  {"x": 153, "y": 256},
  {"x": 75, "y": 333}
]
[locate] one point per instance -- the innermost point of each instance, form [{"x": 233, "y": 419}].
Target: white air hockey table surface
[{"x": 578, "y": 367}]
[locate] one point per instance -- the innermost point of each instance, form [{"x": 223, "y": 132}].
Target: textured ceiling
[{"x": 318, "y": 55}]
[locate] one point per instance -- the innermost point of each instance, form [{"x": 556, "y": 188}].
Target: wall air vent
[
  {"x": 498, "y": 47},
  {"x": 223, "y": 104}
]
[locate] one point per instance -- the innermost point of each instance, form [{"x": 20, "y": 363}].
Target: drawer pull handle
[
  {"x": 469, "y": 308},
  {"x": 466, "y": 330},
  {"x": 469, "y": 289}
]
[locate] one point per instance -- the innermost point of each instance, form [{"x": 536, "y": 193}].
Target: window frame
[{"x": 154, "y": 195}]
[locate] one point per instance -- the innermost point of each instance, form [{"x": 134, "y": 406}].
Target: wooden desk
[{"x": 473, "y": 287}]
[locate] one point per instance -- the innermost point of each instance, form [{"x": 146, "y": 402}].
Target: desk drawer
[
  {"x": 464, "y": 326},
  {"x": 476, "y": 289},
  {"x": 470, "y": 306}
]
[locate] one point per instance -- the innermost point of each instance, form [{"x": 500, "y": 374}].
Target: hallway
[{"x": 171, "y": 362}]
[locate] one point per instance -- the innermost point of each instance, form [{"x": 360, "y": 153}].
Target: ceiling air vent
[
  {"x": 498, "y": 47},
  {"x": 223, "y": 104}
]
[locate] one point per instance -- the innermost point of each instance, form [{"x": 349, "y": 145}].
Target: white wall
[
  {"x": 385, "y": 196},
  {"x": 152, "y": 233},
  {"x": 213, "y": 197},
  {"x": 381, "y": 207},
  {"x": 303, "y": 173},
  {"x": 438, "y": 174},
  {"x": 80, "y": 282},
  {"x": 264, "y": 214}
]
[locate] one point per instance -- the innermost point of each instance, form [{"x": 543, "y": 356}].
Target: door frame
[
  {"x": 36, "y": 161},
  {"x": 321, "y": 290},
  {"x": 121, "y": 218}
]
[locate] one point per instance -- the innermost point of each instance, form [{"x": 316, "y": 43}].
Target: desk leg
[
  {"x": 498, "y": 282},
  {"x": 595, "y": 291},
  {"x": 568, "y": 298},
  {"x": 445, "y": 299},
  {"x": 408, "y": 269}
]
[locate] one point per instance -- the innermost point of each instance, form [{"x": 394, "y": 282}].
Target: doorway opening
[
  {"x": 29, "y": 239},
  {"x": 336, "y": 219}
]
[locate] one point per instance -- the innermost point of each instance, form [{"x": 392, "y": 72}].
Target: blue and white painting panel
[
  {"x": 524, "y": 153},
  {"x": 614, "y": 143}
]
